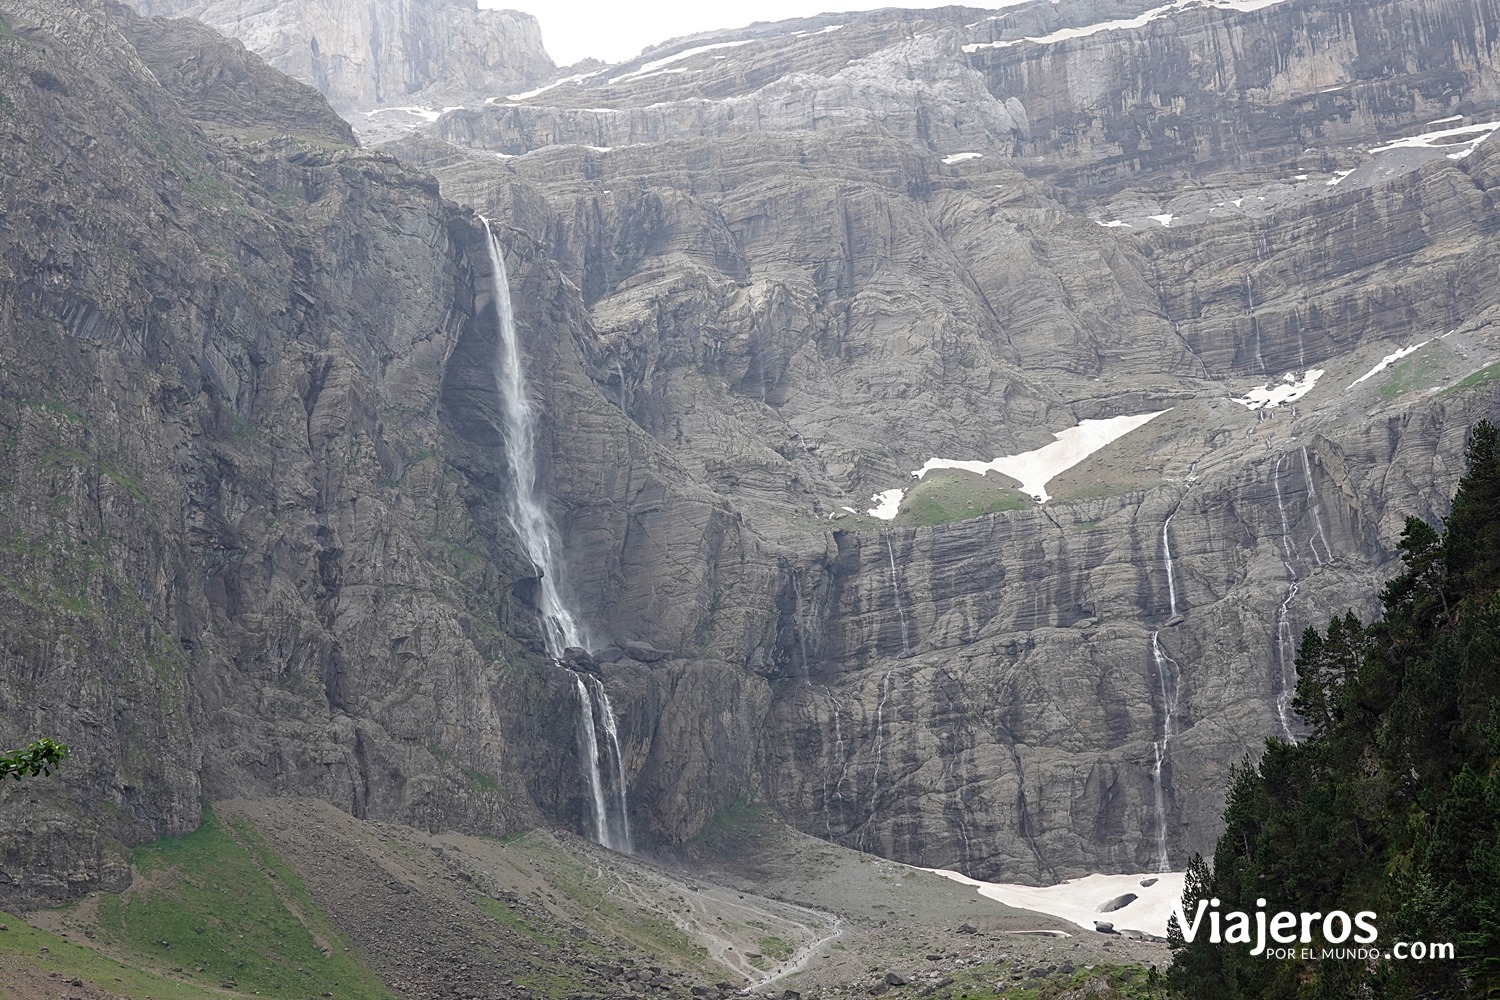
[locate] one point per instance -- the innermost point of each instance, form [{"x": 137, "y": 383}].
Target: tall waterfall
[
  {"x": 528, "y": 516},
  {"x": 1166, "y": 547},
  {"x": 896, "y": 595},
  {"x": 1167, "y": 676},
  {"x": 1286, "y": 641}
]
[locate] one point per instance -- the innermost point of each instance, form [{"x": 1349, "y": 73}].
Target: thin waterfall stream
[
  {"x": 528, "y": 516},
  {"x": 1168, "y": 676}
]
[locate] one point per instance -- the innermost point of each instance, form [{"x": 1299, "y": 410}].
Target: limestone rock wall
[{"x": 381, "y": 52}]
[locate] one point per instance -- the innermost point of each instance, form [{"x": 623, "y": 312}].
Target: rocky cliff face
[
  {"x": 249, "y": 501},
  {"x": 256, "y": 502},
  {"x": 382, "y": 52},
  {"x": 817, "y": 254}
]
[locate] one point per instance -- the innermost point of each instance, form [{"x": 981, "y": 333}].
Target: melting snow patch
[
  {"x": 1467, "y": 136},
  {"x": 1165, "y": 219},
  {"x": 1389, "y": 360},
  {"x": 886, "y": 504},
  {"x": 546, "y": 87},
  {"x": 1115, "y": 224},
  {"x": 1034, "y": 469},
  {"x": 1288, "y": 390},
  {"x": 961, "y": 157},
  {"x": 657, "y": 64},
  {"x": 1444, "y": 121},
  {"x": 426, "y": 114},
  {"x": 1079, "y": 900},
  {"x": 1339, "y": 175},
  {"x": 1139, "y": 21}
]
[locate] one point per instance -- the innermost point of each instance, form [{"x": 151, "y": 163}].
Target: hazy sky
[{"x": 614, "y": 31}]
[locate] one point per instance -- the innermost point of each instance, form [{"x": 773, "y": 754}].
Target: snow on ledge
[
  {"x": 887, "y": 504},
  {"x": 1035, "y": 469},
  {"x": 1389, "y": 360},
  {"x": 1288, "y": 390},
  {"x": 1078, "y": 900},
  {"x": 656, "y": 64},
  {"x": 961, "y": 157},
  {"x": 1139, "y": 21}
]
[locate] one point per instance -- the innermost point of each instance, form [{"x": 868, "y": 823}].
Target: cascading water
[
  {"x": 1167, "y": 677},
  {"x": 1317, "y": 512},
  {"x": 896, "y": 593},
  {"x": 528, "y": 516},
  {"x": 1285, "y": 643},
  {"x": 1166, "y": 547}
]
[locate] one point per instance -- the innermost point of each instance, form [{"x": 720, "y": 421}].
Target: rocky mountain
[
  {"x": 381, "y": 52},
  {"x": 253, "y": 539},
  {"x": 254, "y": 499},
  {"x": 818, "y": 254}
]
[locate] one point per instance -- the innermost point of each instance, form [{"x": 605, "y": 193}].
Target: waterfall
[
  {"x": 1166, "y": 547},
  {"x": 879, "y": 748},
  {"x": 896, "y": 593},
  {"x": 1168, "y": 675},
  {"x": 1254, "y": 322},
  {"x": 1285, "y": 641},
  {"x": 797, "y": 623},
  {"x": 1317, "y": 512},
  {"x": 528, "y": 516}
]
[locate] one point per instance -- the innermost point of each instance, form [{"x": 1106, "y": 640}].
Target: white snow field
[
  {"x": 1034, "y": 469},
  {"x": 1389, "y": 360},
  {"x": 1079, "y": 900},
  {"x": 1288, "y": 390},
  {"x": 1139, "y": 21}
]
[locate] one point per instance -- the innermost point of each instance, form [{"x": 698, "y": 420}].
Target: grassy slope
[{"x": 210, "y": 912}]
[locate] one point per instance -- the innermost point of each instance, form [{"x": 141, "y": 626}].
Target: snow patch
[
  {"x": 1467, "y": 136},
  {"x": 886, "y": 504},
  {"x": 426, "y": 114},
  {"x": 961, "y": 157},
  {"x": 1115, "y": 224},
  {"x": 1139, "y": 21},
  {"x": 1339, "y": 175},
  {"x": 1288, "y": 390},
  {"x": 1078, "y": 900},
  {"x": 1165, "y": 219},
  {"x": 1389, "y": 360},
  {"x": 1444, "y": 121},
  {"x": 1034, "y": 469},
  {"x": 527, "y": 95},
  {"x": 656, "y": 64}
]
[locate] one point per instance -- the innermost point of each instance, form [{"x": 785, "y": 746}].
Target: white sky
[{"x": 614, "y": 31}]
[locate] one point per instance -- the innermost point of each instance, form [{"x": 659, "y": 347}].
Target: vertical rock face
[
  {"x": 252, "y": 517},
  {"x": 381, "y": 52},
  {"x": 802, "y": 290}
]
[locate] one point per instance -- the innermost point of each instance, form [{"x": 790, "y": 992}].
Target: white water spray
[{"x": 528, "y": 516}]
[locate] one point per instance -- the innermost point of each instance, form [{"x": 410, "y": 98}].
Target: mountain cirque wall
[
  {"x": 251, "y": 528},
  {"x": 804, "y": 302},
  {"x": 381, "y": 52}
]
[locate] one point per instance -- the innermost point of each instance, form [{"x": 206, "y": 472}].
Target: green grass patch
[
  {"x": 776, "y": 948},
  {"x": 1418, "y": 373},
  {"x": 218, "y": 900},
  {"x": 1485, "y": 375},
  {"x": 23, "y": 946},
  {"x": 944, "y": 496}
]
